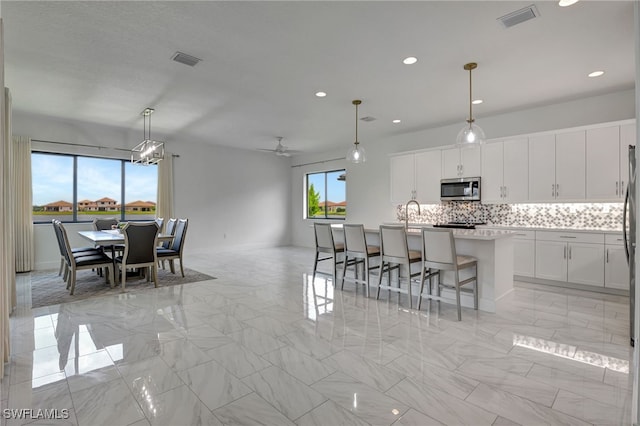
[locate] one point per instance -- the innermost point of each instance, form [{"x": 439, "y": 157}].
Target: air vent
[
  {"x": 519, "y": 16},
  {"x": 368, "y": 118},
  {"x": 183, "y": 58}
]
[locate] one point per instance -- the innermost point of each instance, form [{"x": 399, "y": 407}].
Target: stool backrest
[
  {"x": 354, "y": 239},
  {"x": 393, "y": 242},
  {"x": 324, "y": 236},
  {"x": 438, "y": 247}
]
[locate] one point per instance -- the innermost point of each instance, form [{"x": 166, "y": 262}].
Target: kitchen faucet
[{"x": 406, "y": 212}]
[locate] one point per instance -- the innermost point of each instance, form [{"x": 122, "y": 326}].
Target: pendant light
[
  {"x": 148, "y": 151},
  {"x": 471, "y": 133},
  {"x": 356, "y": 154}
]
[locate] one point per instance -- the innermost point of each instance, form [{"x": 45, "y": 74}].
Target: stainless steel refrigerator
[{"x": 629, "y": 234}]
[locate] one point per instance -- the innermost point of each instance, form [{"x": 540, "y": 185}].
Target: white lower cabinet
[
  {"x": 616, "y": 268},
  {"x": 551, "y": 260},
  {"x": 585, "y": 264},
  {"x": 575, "y": 257},
  {"x": 524, "y": 254}
]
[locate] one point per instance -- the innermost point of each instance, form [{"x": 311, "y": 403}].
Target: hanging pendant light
[
  {"x": 471, "y": 133},
  {"x": 356, "y": 154},
  {"x": 148, "y": 151}
]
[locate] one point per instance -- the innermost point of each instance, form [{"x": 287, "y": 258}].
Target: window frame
[
  {"x": 306, "y": 194},
  {"x": 121, "y": 213}
]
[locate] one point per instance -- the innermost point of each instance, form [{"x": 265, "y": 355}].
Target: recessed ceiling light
[
  {"x": 477, "y": 101},
  {"x": 410, "y": 60},
  {"x": 396, "y": 121},
  {"x": 596, "y": 74},
  {"x": 321, "y": 94},
  {"x": 565, "y": 3}
]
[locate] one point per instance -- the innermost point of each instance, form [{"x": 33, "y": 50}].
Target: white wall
[
  {"x": 233, "y": 198},
  {"x": 368, "y": 183}
]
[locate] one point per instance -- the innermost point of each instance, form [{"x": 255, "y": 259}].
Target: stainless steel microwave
[{"x": 460, "y": 189}]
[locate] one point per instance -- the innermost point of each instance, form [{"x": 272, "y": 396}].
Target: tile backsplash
[{"x": 606, "y": 216}]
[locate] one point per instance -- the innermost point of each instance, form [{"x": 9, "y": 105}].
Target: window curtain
[
  {"x": 25, "y": 253},
  {"x": 164, "y": 208}
]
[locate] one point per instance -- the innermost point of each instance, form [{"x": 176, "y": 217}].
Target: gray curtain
[{"x": 25, "y": 255}]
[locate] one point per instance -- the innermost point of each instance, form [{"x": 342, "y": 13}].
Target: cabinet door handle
[
  {"x": 622, "y": 188},
  {"x": 569, "y": 252},
  {"x": 606, "y": 256},
  {"x": 566, "y": 236},
  {"x": 565, "y": 252},
  {"x": 557, "y": 189},
  {"x": 505, "y": 192},
  {"x": 553, "y": 193},
  {"x": 617, "y": 184}
]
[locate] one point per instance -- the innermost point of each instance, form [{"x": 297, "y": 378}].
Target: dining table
[{"x": 113, "y": 237}]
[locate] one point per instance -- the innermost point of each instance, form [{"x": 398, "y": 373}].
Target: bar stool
[
  {"x": 439, "y": 254},
  {"x": 395, "y": 253},
  {"x": 357, "y": 249},
  {"x": 325, "y": 244}
]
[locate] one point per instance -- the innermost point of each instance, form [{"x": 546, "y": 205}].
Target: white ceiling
[{"x": 263, "y": 61}]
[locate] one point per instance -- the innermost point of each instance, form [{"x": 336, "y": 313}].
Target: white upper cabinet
[
  {"x": 542, "y": 168},
  {"x": 427, "y": 176},
  {"x": 603, "y": 172},
  {"x": 416, "y": 177},
  {"x": 492, "y": 157},
  {"x": 505, "y": 171},
  {"x": 557, "y": 167},
  {"x": 402, "y": 171},
  {"x": 460, "y": 162},
  {"x": 570, "y": 166}
]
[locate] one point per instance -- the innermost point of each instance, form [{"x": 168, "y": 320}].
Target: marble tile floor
[{"x": 264, "y": 344}]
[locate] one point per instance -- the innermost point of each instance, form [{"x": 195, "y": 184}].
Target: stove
[{"x": 458, "y": 225}]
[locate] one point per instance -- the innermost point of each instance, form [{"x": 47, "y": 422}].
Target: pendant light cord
[
  {"x": 470, "y": 99},
  {"x": 356, "y": 142}
]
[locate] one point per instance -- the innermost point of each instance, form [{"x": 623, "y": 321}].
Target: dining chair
[
  {"x": 176, "y": 247},
  {"x": 395, "y": 253},
  {"x": 81, "y": 261},
  {"x": 160, "y": 222},
  {"x": 357, "y": 249},
  {"x": 171, "y": 229},
  {"x": 140, "y": 241},
  {"x": 78, "y": 251},
  {"x": 104, "y": 224},
  {"x": 326, "y": 244},
  {"x": 439, "y": 254}
]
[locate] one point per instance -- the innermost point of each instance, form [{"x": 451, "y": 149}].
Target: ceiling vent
[
  {"x": 183, "y": 58},
  {"x": 368, "y": 118},
  {"x": 519, "y": 16}
]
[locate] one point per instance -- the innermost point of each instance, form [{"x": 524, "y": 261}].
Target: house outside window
[
  {"x": 75, "y": 188},
  {"x": 326, "y": 195}
]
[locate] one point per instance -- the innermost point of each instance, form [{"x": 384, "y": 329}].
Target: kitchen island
[{"x": 493, "y": 249}]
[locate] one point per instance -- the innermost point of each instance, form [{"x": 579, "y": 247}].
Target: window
[
  {"x": 74, "y": 188},
  {"x": 326, "y": 195}
]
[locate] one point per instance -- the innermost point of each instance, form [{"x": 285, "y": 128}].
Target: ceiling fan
[{"x": 280, "y": 150}]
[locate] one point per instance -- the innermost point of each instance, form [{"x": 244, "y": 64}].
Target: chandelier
[{"x": 148, "y": 151}]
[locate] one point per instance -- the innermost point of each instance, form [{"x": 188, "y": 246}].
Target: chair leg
[
  {"x": 154, "y": 271},
  {"x": 181, "y": 267},
  {"x": 366, "y": 275},
  {"x": 344, "y": 270},
  {"x": 315, "y": 264},
  {"x": 380, "y": 278},
  {"x": 475, "y": 289},
  {"x": 409, "y": 285},
  {"x": 72, "y": 277},
  {"x": 111, "y": 275},
  {"x": 172, "y": 266},
  {"x": 123, "y": 278},
  {"x": 422, "y": 279},
  {"x": 61, "y": 265},
  {"x": 457, "y": 284}
]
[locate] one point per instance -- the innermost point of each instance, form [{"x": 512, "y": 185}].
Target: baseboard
[{"x": 573, "y": 286}]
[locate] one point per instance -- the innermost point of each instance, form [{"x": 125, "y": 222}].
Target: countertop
[
  {"x": 524, "y": 228},
  {"x": 463, "y": 234}
]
